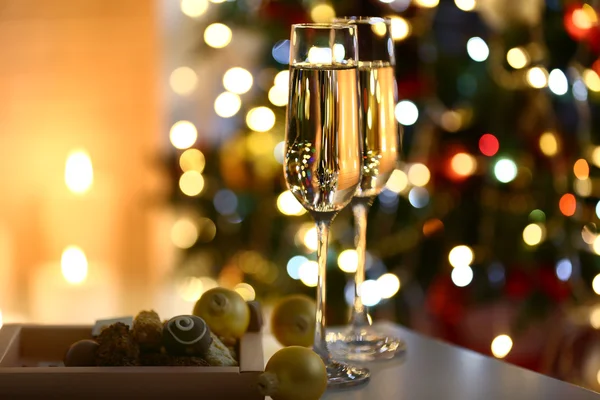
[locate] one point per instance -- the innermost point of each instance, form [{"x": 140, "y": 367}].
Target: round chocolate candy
[
  {"x": 186, "y": 335},
  {"x": 81, "y": 354}
]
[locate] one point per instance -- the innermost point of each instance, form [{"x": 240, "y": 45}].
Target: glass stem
[
  {"x": 320, "y": 343},
  {"x": 360, "y": 209}
]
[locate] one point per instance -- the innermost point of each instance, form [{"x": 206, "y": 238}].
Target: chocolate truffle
[
  {"x": 187, "y": 335},
  {"x": 147, "y": 331},
  {"x": 117, "y": 347},
  {"x": 81, "y": 354}
]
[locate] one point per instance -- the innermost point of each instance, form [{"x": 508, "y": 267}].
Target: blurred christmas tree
[{"x": 493, "y": 204}]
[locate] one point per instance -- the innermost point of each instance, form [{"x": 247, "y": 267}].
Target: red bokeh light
[
  {"x": 567, "y": 204},
  {"x": 489, "y": 145}
]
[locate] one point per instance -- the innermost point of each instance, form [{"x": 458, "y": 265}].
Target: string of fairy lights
[{"x": 526, "y": 70}]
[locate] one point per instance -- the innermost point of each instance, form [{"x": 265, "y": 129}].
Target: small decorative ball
[
  {"x": 81, "y": 354},
  {"x": 293, "y": 321},
  {"x": 186, "y": 335},
  {"x": 225, "y": 311}
]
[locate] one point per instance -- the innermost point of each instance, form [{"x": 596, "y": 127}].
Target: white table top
[{"x": 434, "y": 370}]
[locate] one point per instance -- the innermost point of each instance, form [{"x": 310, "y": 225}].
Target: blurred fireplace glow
[
  {"x": 74, "y": 265},
  {"x": 79, "y": 173}
]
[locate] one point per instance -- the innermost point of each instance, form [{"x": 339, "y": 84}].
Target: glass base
[
  {"x": 340, "y": 375},
  {"x": 367, "y": 344}
]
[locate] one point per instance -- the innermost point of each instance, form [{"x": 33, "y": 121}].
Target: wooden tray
[{"x": 24, "y": 347}]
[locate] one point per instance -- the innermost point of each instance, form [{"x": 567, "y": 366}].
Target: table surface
[{"x": 433, "y": 370}]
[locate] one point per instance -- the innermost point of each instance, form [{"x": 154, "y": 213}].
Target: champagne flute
[
  {"x": 380, "y": 146},
  {"x": 322, "y": 165}
]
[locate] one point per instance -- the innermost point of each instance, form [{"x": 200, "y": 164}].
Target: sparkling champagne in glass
[
  {"x": 380, "y": 147},
  {"x": 323, "y": 158}
]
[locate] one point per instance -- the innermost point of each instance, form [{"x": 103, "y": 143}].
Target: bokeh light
[
  {"x": 462, "y": 275},
  {"x": 260, "y": 119},
  {"x": 281, "y": 51},
  {"x": 557, "y": 82},
  {"x": 246, "y": 291},
  {"x": 418, "y": 174},
  {"x": 311, "y": 239},
  {"x": 461, "y": 256},
  {"x": 580, "y": 90},
  {"x": 537, "y": 216},
  {"x": 465, "y": 5},
  {"x": 596, "y": 245},
  {"x": 207, "y": 230},
  {"x": 432, "y": 226},
  {"x": 282, "y": 79},
  {"x": 74, "y": 265},
  {"x": 191, "y": 183},
  {"x": 183, "y": 80},
  {"x": 79, "y": 172},
  {"x": 591, "y": 80},
  {"x": 595, "y": 318},
  {"x": 389, "y": 285},
  {"x": 596, "y": 284},
  {"x": 418, "y": 197},
  {"x": 192, "y": 160},
  {"x": 322, "y": 12},
  {"x": 589, "y": 233},
  {"x": 225, "y": 202},
  {"x": 184, "y": 233},
  {"x": 369, "y": 292},
  {"x": 348, "y": 260},
  {"x": 501, "y": 346},
  {"x": 534, "y": 234},
  {"x": 309, "y": 273},
  {"x": 505, "y": 170},
  {"x": 549, "y": 144},
  {"x": 406, "y": 112},
  {"x": 293, "y": 266},
  {"x": 537, "y": 77},
  {"x": 278, "y": 96},
  {"x": 517, "y": 57},
  {"x": 567, "y": 204},
  {"x": 477, "y": 49},
  {"x": 227, "y": 104},
  {"x": 564, "y": 269},
  {"x": 237, "y": 80},
  {"x": 217, "y": 35},
  {"x": 464, "y": 164},
  {"x": 581, "y": 169},
  {"x": 488, "y": 144},
  {"x": 400, "y": 28},
  {"x": 426, "y": 3},
  {"x": 397, "y": 182},
  {"x": 288, "y": 204},
  {"x": 183, "y": 134},
  {"x": 194, "y": 8},
  {"x": 278, "y": 152},
  {"x": 190, "y": 289}
]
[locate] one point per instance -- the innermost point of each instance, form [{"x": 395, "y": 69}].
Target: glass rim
[
  {"x": 321, "y": 25},
  {"x": 351, "y": 19}
]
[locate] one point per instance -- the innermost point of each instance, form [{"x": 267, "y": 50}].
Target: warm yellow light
[
  {"x": 309, "y": 273},
  {"x": 596, "y": 284},
  {"x": 501, "y": 346},
  {"x": 427, "y": 3},
  {"x": 282, "y": 79},
  {"x": 397, "y": 182},
  {"x": 74, "y": 265},
  {"x": 218, "y": 1},
  {"x": 194, "y": 8},
  {"x": 583, "y": 187},
  {"x": 591, "y": 80},
  {"x": 418, "y": 174},
  {"x": 1, "y": 321},
  {"x": 192, "y": 160},
  {"x": 595, "y": 156},
  {"x": 227, "y": 104},
  {"x": 348, "y": 261},
  {"x": 183, "y": 134},
  {"x": 79, "y": 173},
  {"x": 588, "y": 233},
  {"x": 217, "y": 35},
  {"x": 465, "y": 5},
  {"x": 260, "y": 119},
  {"x": 260, "y": 144},
  {"x": 388, "y": 284},
  {"x": 322, "y": 13},
  {"x": 461, "y": 256},
  {"x": 549, "y": 144},
  {"x": 246, "y": 291},
  {"x": 400, "y": 28},
  {"x": 183, "y": 80},
  {"x": 537, "y": 77},
  {"x": 190, "y": 289},
  {"x": 517, "y": 57},
  {"x": 184, "y": 233},
  {"x": 596, "y": 247},
  {"x": 311, "y": 240},
  {"x": 191, "y": 183},
  {"x": 533, "y": 234},
  {"x": 451, "y": 120},
  {"x": 595, "y": 318},
  {"x": 278, "y": 96},
  {"x": 237, "y": 80},
  {"x": 379, "y": 28},
  {"x": 287, "y": 204},
  {"x": 584, "y": 18},
  {"x": 464, "y": 164},
  {"x": 581, "y": 169}
]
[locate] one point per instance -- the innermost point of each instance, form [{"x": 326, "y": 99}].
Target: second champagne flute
[
  {"x": 380, "y": 140},
  {"x": 322, "y": 164}
]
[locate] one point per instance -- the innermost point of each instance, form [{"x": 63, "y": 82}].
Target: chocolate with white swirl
[{"x": 186, "y": 335}]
